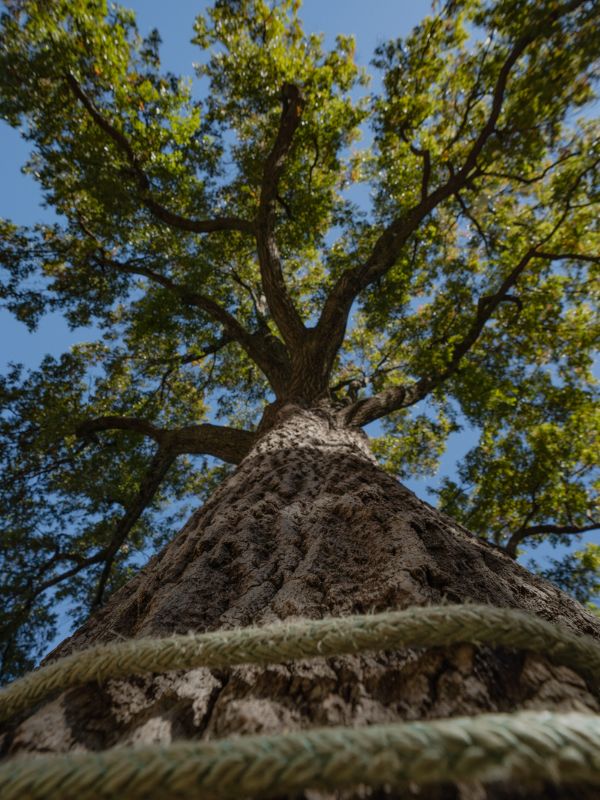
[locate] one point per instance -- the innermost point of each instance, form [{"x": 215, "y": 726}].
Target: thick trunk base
[{"x": 309, "y": 526}]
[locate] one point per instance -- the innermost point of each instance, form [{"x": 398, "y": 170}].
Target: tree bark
[{"x": 310, "y": 526}]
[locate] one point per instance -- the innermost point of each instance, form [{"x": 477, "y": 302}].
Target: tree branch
[
  {"x": 569, "y": 256},
  {"x": 425, "y": 156},
  {"x": 258, "y": 303},
  {"x": 264, "y": 349},
  {"x": 279, "y": 301},
  {"x": 541, "y": 530},
  {"x": 220, "y": 441},
  {"x": 162, "y": 213},
  {"x": 331, "y": 327},
  {"x": 396, "y": 397},
  {"x": 475, "y": 222},
  {"x": 88, "y": 428},
  {"x": 159, "y": 466},
  {"x": 228, "y": 444},
  {"x": 536, "y": 178},
  {"x": 193, "y": 355},
  {"x": 174, "y": 363},
  {"x": 383, "y": 403}
]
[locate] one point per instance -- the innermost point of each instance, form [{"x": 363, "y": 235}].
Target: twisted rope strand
[
  {"x": 525, "y": 746},
  {"x": 415, "y": 627}
]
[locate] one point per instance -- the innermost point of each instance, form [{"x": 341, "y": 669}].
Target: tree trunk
[{"x": 310, "y": 526}]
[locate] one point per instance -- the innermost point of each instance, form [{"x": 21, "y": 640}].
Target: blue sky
[{"x": 370, "y": 22}]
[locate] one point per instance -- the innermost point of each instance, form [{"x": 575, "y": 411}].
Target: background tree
[{"x": 216, "y": 246}]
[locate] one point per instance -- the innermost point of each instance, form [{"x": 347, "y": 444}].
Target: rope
[
  {"x": 415, "y": 627},
  {"x": 523, "y": 746},
  {"x": 556, "y": 747}
]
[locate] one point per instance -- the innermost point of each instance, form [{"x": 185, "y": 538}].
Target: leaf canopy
[{"x": 289, "y": 234}]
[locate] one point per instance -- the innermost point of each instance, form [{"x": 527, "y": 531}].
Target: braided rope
[
  {"x": 523, "y": 746},
  {"x": 416, "y": 627}
]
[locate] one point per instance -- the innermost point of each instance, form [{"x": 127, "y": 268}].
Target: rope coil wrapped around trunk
[{"x": 524, "y": 746}]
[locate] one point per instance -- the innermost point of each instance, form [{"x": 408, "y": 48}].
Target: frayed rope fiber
[
  {"x": 490, "y": 747},
  {"x": 428, "y": 626}
]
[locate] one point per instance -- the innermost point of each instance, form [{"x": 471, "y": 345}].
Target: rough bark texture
[{"x": 310, "y": 526}]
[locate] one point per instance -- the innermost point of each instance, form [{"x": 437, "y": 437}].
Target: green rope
[
  {"x": 524, "y": 746},
  {"x": 517, "y": 747},
  {"x": 415, "y": 627}
]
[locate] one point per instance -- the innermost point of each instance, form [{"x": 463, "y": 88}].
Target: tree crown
[{"x": 222, "y": 248}]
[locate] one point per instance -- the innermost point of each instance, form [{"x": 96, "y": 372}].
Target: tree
[{"x": 231, "y": 277}]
